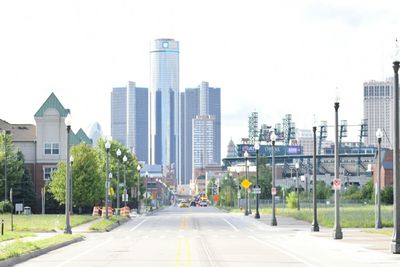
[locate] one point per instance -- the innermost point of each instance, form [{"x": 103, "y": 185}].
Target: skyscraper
[
  {"x": 164, "y": 86},
  {"x": 203, "y": 101},
  {"x": 378, "y": 110},
  {"x": 118, "y": 114},
  {"x": 130, "y": 119}
]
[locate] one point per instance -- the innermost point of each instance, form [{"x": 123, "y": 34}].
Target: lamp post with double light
[
  {"x": 395, "y": 245},
  {"x": 67, "y": 229},
  {"x": 124, "y": 159},
  {"x": 107, "y": 146},
  {"x": 297, "y": 185},
  {"x": 246, "y": 192},
  {"x": 71, "y": 160},
  {"x": 337, "y": 231},
  {"x": 378, "y": 221},
  {"x": 273, "y": 139},
  {"x": 118, "y": 156},
  {"x": 257, "y": 148},
  {"x": 138, "y": 191},
  {"x": 314, "y": 225}
]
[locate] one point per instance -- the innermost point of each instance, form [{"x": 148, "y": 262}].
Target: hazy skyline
[{"x": 274, "y": 57}]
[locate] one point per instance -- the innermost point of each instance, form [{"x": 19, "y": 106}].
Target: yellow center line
[
  {"x": 178, "y": 253},
  {"x": 188, "y": 260}
]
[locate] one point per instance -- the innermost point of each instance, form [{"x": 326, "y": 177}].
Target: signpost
[
  {"x": 257, "y": 189},
  {"x": 337, "y": 184},
  {"x": 246, "y": 183},
  {"x": 273, "y": 191}
]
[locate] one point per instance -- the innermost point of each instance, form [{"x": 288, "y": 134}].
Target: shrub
[
  {"x": 291, "y": 200},
  {"x": 387, "y": 195},
  {"x": 5, "y": 206}
]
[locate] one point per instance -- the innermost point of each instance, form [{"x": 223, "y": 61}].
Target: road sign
[
  {"x": 337, "y": 183},
  {"x": 216, "y": 198},
  {"x": 273, "y": 191},
  {"x": 124, "y": 197},
  {"x": 246, "y": 183},
  {"x": 257, "y": 190}
]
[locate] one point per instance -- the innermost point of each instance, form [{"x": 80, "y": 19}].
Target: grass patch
[
  {"x": 14, "y": 235},
  {"x": 18, "y": 247},
  {"x": 45, "y": 222},
  {"x": 104, "y": 224},
  {"x": 388, "y": 232},
  {"x": 350, "y": 216}
]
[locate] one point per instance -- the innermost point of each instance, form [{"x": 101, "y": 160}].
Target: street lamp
[
  {"x": 246, "y": 193},
  {"x": 67, "y": 229},
  {"x": 257, "y": 148},
  {"x": 107, "y": 146},
  {"x": 5, "y": 164},
  {"x": 118, "y": 155},
  {"x": 337, "y": 231},
  {"x": 145, "y": 192},
  {"x": 71, "y": 160},
  {"x": 378, "y": 221},
  {"x": 138, "y": 193},
  {"x": 395, "y": 246},
  {"x": 314, "y": 225},
  {"x": 273, "y": 139},
  {"x": 125, "y": 195},
  {"x": 297, "y": 185}
]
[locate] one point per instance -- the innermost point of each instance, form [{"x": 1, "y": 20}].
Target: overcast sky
[{"x": 274, "y": 57}]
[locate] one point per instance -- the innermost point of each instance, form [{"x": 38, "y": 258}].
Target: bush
[
  {"x": 387, "y": 195},
  {"x": 5, "y": 206},
  {"x": 291, "y": 200}
]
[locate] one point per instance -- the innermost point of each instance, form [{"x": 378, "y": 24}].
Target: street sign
[
  {"x": 124, "y": 197},
  {"x": 216, "y": 198},
  {"x": 246, "y": 183},
  {"x": 337, "y": 183},
  {"x": 273, "y": 191},
  {"x": 257, "y": 190}
]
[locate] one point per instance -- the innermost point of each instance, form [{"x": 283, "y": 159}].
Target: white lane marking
[
  {"x": 84, "y": 253},
  {"x": 205, "y": 248},
  {"x": 234, "y": 227},
  {"x": 134, "y": 228},
  {"x": 273, "y": 246}
]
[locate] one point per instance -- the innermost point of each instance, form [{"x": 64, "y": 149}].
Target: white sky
[{"x": 274, "y": 57}]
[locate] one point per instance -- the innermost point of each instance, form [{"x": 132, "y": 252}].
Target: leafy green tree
[
  {"x": 15, "y": 164},
  {"x": 291, "y": 200},
  {"x": 88, "y": 183},
  {"x": 24, "y": 192},
  {"x": 352, "y": 193},
  {"x": 367, "y": 191},
  {"x": 323, "y": 191},
  {"x": 264, "y": 178}
]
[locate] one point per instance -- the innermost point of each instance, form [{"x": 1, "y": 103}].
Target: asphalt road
[{"x": 208, "y": 237}]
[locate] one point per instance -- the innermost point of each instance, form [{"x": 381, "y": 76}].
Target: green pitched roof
[
  {"x": 52, "y": 102},
  {"x": 83, "y": 137}
]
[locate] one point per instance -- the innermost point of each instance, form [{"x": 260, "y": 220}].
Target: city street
[{"x": 209, "y": 237}]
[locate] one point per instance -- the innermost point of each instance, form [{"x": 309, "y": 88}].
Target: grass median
[
  {"x": 45, "y": 222},
  {"x": 104, "y": 224},
  {"x": 19, "y": 247}
]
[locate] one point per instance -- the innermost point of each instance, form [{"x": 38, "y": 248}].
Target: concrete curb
[
  {"x": 36, "y": 253},
  {"x": 113, "y": 226}
]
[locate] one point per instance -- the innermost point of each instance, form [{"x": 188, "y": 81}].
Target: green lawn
[
  {"x": 19, "y": 247},
  {"x": 8, "y": 235},
  {"x": 362, "y": 216},
  {"x": 32, "y": 223},
  {"x": 104, "y": 224}
]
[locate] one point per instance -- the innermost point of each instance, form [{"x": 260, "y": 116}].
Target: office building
[
  {"x": 164, "y": 86},
  {"x": 130, "y": 119},
  {"x": 378, "y": 111}
]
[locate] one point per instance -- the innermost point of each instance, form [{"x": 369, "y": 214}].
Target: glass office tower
[{"x": 164, "y": 86}]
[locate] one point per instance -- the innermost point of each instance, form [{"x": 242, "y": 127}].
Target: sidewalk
[{"x": 356, "y": 236}]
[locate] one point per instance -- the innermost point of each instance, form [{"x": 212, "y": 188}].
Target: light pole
[
  {"x": 395, "y": 246},
  {"x": 314, "y": 225},
  {"x": 297, "y": 185},
  {"x": 71, "y": 160},
  {"x": 145, "y": 192},
  {"x": 5, "y": 165},
  {"x": 273, "y": 139},
  {"x": 67, "y": 229},
  {"x": 246, "y": 192},
  {"x": 108, "y": 146},
  {"x": 138, "y": 191},
  {"x": 125, "y": 195},
  {"x": 378, "y": 221},
  {"x": 118, "y": 155},
  {"x": 337, "y": 231},
  {"x": 257, "y": 148}
]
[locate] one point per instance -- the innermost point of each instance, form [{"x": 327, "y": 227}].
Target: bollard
[{"x": 2, "y": 227}]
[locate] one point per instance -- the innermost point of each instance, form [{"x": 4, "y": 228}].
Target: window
[
  {"x": 47, "y": 171},
  {"x": 51, "y": 149}
]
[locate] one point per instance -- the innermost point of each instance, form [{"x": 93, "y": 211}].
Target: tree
[
  {"x": 24, "y": 192},
  {"x": 88, "y": 181},
  {"x": 367, "y": 190},
  {"x": 264, "y": 178},
  {"x": 323, "y": 191},
  {"x": 387, "y": 195},
  {"x": 15, "y": 164}
]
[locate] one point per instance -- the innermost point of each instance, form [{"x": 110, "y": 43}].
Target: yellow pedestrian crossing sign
[{"x": 246, "y": 183}]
